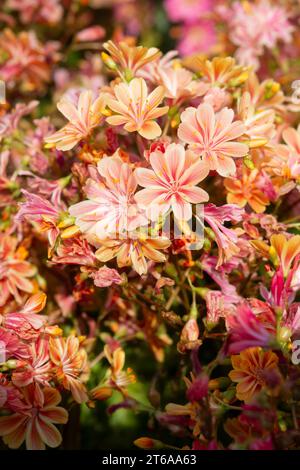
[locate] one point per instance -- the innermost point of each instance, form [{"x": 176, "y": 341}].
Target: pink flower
[
  {"x": 246, "y": 331},
  {"x": 172, "y": 182},
  {"x": 111, "y": 207},
  {"x": 84, "y": 116},
  {"x": 212, "y": 135},
  {"x": 37, "y": 11},
  {"x": 136, "y": 109},
  {"x": 34, "y": 422},
  {"x": 93, "y": 33},
  {"x": 199, "y": 37},
  {"x": 218, "y": 305},
  {"x": 75, "y": 250},
  {"x": 10, "y": 121},
  {"x": 260, "y": 25},
  {"x": 38, "y": 210},
  {"x": 180, "y": 85},
  {"x": 105, "y": 277},
  {"x": 37, "y": 368},
  {"x": 226, "y": 238},
  {"x": 25, "y": 322},
  {"x": 14, "y": 348},
  {"x": 187, "y": 10},
  {"x": 14, "y": 271}
]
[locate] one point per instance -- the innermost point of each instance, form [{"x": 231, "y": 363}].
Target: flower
[
  {"x": 105, "y": 277},
  {"x": 133, "y": 250},
  {"x": 259, "y": 125},
  {"x": 34, "y": 422},
  {"x": 38, "y": 367},
  {"x": 250, "y": 371},
  {"x": 70, "y": 361},
  {"x": 38, "y": 210},
  {"x": 136, "y": 109},
  {"x": 26, "y": 59},
  {"x": 14, "y": 270},
  {"x": 247, "y": 189},
  {"x": 37, "y": 11},
  {"x": 246, "y": 330},
  {"x": 212, "y": 136},
  {"x": 219, "y": 71},
  {"x": 84, "y": 116},
  {"x": 117, "y": 378},
  {"x": 179, "y": 84},
  {"x": 286, "y": 251},
  {"x": 75, "y": 250},
  {"x": 92, "y": 33},
  {"x": 255, "y": 26},
  {"x": 130, "y": 58},
  {"x": 200, "y": 36},
  {"x": 225, "y": 237},
  {"x": 172, "y": 182},
  {"x": 187, "y": 10},
  {"x": 111, "y": 207},
  {"x": 25, "y": 322},
  {"x": 12, "y": 346}
]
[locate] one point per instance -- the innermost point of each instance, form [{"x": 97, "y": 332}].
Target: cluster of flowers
[
  {"x": 255, "y": 31},
  {"x": 101, "y": 264}
]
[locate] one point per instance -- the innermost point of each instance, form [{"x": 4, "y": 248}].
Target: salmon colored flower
[
  {"x": 130, "y": 58},
  {"x": 38, "y": 367},
  {"x": 247, "y": 189},
  {"x": 260, "y": 125},
  {"x": 133, "y": 251},
  {"x": 37, "y": 11},
  {"x": 34, "y": 422},
  {"x": 110, "y": 207},
  {"x": 84, "y": 116},
  {"x": 251, "y": 368},
  {"x": 75, "y": 250},
  {"x": 172, "y": 182},
  {"x": 70, "y": 361},
  {"x": 105, "y": 277},
  {"x": 213, "y": 136},
  {"x": 11, "y": 346},
  {"x": 116, "y": 378},
  {"x": 14, "y": 270},
  {"x": 136, "y": 109},
  {"x": 25, "y": 322},
  {"x": 179, "y": 84},
  {"x": 26, "y": 59},
  {"x": 39, "y": 210}
]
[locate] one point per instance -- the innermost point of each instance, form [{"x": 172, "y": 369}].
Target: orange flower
[
  {"x": 70, "y": 361},
  {"x": 133, "y": 251},
  {"x": 130, "y": 58},
  {"x": 250, "y": 371},
  {"x": 14, "y": 271},
  {"x": 84, "y": 116},
  {"x": 282, "y": 250},
  {"x": 136, "y": 109},
  {"x": 117, "y": 377},
  {"x": 245, "y": 190},
  {"x": 33, "y": 422},
  {"x": 220, "y": 71}
]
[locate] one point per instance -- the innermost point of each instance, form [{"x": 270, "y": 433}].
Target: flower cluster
[{"x": 149, "y": 228}]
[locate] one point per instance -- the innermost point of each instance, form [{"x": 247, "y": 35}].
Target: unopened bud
[
  {"x": 108, "y": 61},
  {"x": 70, "y": 232},
  {"x": 148, "y": 443}
]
